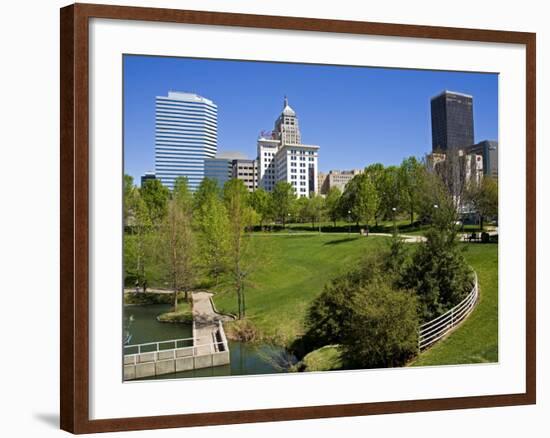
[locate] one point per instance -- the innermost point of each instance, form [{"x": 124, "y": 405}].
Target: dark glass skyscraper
[{"x": 452, "y": 121}]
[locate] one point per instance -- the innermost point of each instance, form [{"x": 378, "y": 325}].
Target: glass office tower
[
  {"x": 452, "y": 121},
  {"x": 186, "y": 133}
]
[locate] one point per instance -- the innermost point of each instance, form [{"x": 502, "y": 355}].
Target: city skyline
[{"x": 371, "y": 114}]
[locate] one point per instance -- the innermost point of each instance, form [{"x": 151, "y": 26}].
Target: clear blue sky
[{"x": 357, "y": 115}]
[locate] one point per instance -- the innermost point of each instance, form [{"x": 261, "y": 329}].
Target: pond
[{"x": 246, "y": 358}]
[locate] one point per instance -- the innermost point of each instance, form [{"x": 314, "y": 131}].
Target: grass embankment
[
  {"x": 476, "y": 340},
  {"x": 144, "y": 298},
  {"x": 183, "y": 314},
  {"x": 324, "y": 359},
  {"x": 288, "y": 273}
]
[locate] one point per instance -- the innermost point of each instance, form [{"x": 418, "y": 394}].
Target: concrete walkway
[
  {"x": 206, "y": 322},
  {"x": 406, "y": 238}
]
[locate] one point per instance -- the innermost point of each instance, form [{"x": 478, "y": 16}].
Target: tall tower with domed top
[
  {"x": 283, "y": 157},
  {"x": 287, "y": 130}
]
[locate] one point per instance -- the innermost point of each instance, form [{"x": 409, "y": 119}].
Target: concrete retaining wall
[{"x": 138, "y": 366}]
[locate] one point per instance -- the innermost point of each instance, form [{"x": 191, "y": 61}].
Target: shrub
[
  {"x": 375, "y": 324},
  {"x": 242, "y": 330},
  {"x": 330, "y": 312},
  {"x": 383, "y": 328}
]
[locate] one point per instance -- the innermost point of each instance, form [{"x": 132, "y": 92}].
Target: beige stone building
[{"x": 336, "y": 178}]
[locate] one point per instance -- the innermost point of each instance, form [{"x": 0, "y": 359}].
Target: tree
[
  {"x": 240, "y": 216},
  {"x": 366, "y": 199},
  {"x": 332, "y": 203},
  {"x": 411, "y": 174},
  {"x": 260, "y": 202},
  {"x": 214, "y": 239},
  {"x": 156, "y": 198},
  {"x": 137, "y": 248},
  {"x": 177, "y": 246},
  {"x": 129, "y": 191},
  {"x": 453, "y": 173},
  {"x": 301, "y": 209},
  {"x": 483, "y": 197},
  {"x": 377, "y": 175},
  {"x": 316, "y": 209},
  {"x": 282, "y": 198},
  {"x": 438, "y": 273},
  {"x": 390, "y": 192},
  {"x": 435, "y": 203},
  {"x": 207, "y": 188},
  {"x": 182, "y": 194}
]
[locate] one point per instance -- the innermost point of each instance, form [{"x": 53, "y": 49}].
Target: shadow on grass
[{"x": 338, "y": 241}]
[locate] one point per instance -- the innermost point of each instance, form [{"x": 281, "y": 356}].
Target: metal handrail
[
  {"x": 169, "y": 349},
  {"x": 433, "y": 330},
  {"x": 157, "y": 344}
]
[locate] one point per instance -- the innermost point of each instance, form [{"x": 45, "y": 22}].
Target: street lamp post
[
  {"x": 394, "y": 224},
  {"x": 349, "y": 222}
]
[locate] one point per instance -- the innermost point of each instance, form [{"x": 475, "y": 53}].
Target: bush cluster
[{"x": 373, "y": 311}]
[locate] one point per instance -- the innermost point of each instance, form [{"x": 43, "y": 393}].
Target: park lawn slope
[
  {"x": 288, "y": 272},
  {"x": 476, "y": 340}
]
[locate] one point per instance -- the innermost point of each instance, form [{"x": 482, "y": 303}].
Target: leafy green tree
[
  {"x": 435, "y": 204},
  {"x": 137, "y": 246},
  {"x": 207, "y": 188},
  {"x": 360, "y": 199},
  {"x": 240, "y": 216},
  {"x": 366, "y": 199},
  {"x": 316, "y": 210},
  {"x": 332, "y": 203},
  {"x": 484, "y": 197},
  {"x": 411, "y": 174},
  {"x": 214, "y": 237},
  {"x": 156, "y": 198},
  {"x": 283, "y": 198},
  {"x": 182, "y": 195},
  {"x": 177, "y": 247},
  {"x": 349, "y": 199},
  {"x": 129, "y": 191},
  {"x": 300, "y": 209},
  {"x": 377, "y": 175},
  {"x": 260, "y": 202},
  {"x": 391, "y": 193}
]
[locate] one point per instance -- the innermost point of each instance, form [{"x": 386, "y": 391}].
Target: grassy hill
[{"x": 288, "y": 272}]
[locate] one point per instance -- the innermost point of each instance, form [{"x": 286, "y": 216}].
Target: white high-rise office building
[
  {"x": 283, "y": 157},
  {"x": 186, "y": 133}
]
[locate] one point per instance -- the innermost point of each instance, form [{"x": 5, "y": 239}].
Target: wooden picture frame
[{"x": 75, "y": 238}]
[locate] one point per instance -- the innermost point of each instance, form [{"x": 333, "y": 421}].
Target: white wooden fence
[{"x": 432, "y": 331}]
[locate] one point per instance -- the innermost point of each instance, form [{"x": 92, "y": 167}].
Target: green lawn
[
  {"x": 288, "y": 273},
  {"x": 476, "y": 340}
]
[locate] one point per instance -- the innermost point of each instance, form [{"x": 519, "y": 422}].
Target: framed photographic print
[{"x": 272, "y": 218}]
